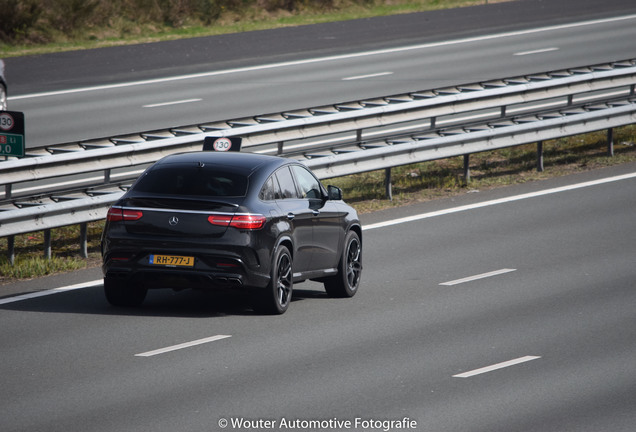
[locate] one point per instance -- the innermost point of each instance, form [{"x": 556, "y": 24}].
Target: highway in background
[
  {"x": 504, "y": 310},
  {"x": 90, "y": 94}
]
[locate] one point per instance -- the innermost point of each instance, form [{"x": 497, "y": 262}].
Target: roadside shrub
[
  {"x": 18, "y": 18},
  {"x": 71, "y": 15},
  {"x": 210, "y": 11},
  {"x": 294, "y": 5}
]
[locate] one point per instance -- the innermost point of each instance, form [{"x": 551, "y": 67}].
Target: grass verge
[
  {"x": 411, "y": 184},
  {"x": 66, "y": 25}
]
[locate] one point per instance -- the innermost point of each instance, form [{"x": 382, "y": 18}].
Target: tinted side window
[
  {"x": 307, "y": 183},
  {"x": 286, "y": 182},
  {"x": 268, "y": 192}
]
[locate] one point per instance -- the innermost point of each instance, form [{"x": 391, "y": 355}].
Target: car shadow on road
[{"x": 158, "y": 303}]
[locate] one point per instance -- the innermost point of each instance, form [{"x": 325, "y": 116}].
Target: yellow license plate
[{"x": 172, "y": 260}]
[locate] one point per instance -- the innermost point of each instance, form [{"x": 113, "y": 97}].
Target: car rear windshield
[{"x": 182, "y": 180}]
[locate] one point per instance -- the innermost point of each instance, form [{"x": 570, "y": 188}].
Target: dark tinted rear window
[{"x": 182, "y": 180}]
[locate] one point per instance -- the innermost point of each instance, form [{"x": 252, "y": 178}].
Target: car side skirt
[{"x": 315, "y": 275}]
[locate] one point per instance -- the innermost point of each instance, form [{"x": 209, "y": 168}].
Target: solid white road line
[
  {"x": 330, "y": 58},
  {"x": 477, "y": 277},
  {"x": 183, "y": 345},
  {"x": 539, "y": 51},
  {"x": 172, "y": 103},
  {"x": 496, "y": 366},
  {"x": 498, "y": 201},
  {"x": 367, "y": 76},
  {"x": 51, "y": 291}
]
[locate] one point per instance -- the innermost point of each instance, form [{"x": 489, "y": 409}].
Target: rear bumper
[
  {"x": 179, "y": 279},
  {"x": 235, "y": 261},
  {"x": 208, "y": 271}
]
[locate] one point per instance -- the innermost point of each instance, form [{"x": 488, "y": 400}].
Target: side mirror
[{"x": 334, "y": 193}]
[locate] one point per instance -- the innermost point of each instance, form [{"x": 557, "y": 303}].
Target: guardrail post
[
  {"x": 387, "y": 184},
  {"x": 540, "y": 156},
  {"x": 84, "y": 240},
  {"x": 7, "y": 191},
  {"x": 280, "y": 148},
  {"x": 610, "y": 142},
  {"x": 11, "y": 249},
  {"x": 47, "y": 244},
  {"x": 467, "y": 168}
]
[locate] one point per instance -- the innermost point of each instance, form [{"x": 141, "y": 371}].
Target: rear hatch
[
  {"x": 176, "y": 217},
  {"x": 184, "y": 199}
]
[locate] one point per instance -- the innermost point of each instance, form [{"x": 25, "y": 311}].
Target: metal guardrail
[
  {"x": 426, "y": 148},
  {"x": 501, "y": 96},
  {"x": 355, "y": 137}
]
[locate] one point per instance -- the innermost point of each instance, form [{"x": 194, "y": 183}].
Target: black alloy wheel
[
  {"x": 346, "y": 282},
  {"x": 276, "y": 297}
]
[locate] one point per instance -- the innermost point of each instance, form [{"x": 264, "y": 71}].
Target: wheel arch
[
  {"x": 287, "y": 242},
  {"x": 358, "y": 230}
]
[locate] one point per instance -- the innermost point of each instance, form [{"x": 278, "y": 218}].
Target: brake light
[
  {"x": 116, "y": 214},
  {"x": 243, "y": 222},
  {"x": 249, "y": 222}
]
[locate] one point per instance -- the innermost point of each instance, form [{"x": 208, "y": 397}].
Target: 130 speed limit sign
[{"x": 222, "y": 144}]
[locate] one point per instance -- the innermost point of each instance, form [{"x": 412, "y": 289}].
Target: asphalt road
[
  {"x": 113, "y": 91},
  {"x": 550, "y": 316}
]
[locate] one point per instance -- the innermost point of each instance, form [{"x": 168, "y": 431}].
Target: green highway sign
[
  {"x": 11, "y": 145},
  {"x": 12, "y": 133}
]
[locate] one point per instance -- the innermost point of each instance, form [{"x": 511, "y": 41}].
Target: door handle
[
  {"x": 290, "y": 216},
  {"x": 315, "y": 212}
]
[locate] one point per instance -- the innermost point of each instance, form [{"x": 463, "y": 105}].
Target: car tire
[
  {"x": 123, "y": 293},
  {"x": 347, "y": 281},
  {"x": 275, "y": 298}
]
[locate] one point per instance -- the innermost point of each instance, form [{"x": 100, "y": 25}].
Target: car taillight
[
  {"x": 220, "y": 220},
  {"x": 116, "y": 214},
  {"x": 244, "y": 222},
  {"x": 250, "y": 222}
]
